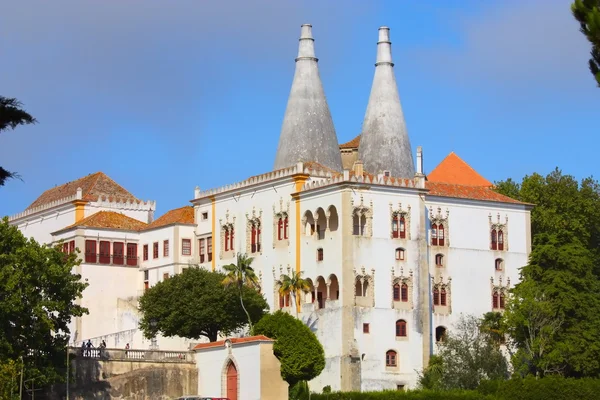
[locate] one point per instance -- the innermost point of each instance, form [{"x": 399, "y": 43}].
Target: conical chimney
[
  {"x": 307, "y": 133},
  {"x": 384, "y": 143}
]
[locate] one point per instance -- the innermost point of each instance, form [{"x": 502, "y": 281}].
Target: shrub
[
  {"x": 549, "y": 387},
  {"x": 410, "y": 395}
]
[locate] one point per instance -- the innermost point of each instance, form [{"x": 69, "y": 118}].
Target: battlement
[
  {"x": 45, "y": 207},
  {"x": 366, "y": 178},
  {"x": 124, "y": 204},
  {"x": 312, "y": 169}
]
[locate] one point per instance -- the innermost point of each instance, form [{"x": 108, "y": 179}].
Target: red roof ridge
[
  {"x": 470, "y": 192},
  {"x": 181, "y": 215},
  {"x": 455, "y": 170},
  {"x": 249, "y": 339},
  {"x": 109, "y": 219},
  {"x": 351, "y": 144}
]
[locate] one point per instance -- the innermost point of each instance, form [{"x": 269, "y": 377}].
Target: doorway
[{"x": 232, "y": 380}]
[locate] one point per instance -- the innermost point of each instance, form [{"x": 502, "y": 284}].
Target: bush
[
  {"x": 296, "y": 346},
  {"x": 410, "y": 395},
  {"x": 549, "y": 387}
]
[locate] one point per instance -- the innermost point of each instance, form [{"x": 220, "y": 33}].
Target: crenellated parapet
[
  {"x": 45, "y": 207},
  {"x": 367, "y": 179},
  {"x": 124, "y": 204}
]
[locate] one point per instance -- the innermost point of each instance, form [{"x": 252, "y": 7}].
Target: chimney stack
[{"x": 419, "y": 160}]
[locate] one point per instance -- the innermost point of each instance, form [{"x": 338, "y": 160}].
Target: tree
[
  {"x": 37, "y": 301},
  {"x": 195, "y": 303},
  {"x": 294, "y": 285},
  {"x": 467, "y": 356},
  {"x": 11, "y": 116},
  {"x": 239, "y": 275},
  {"x": 553, "y": 317},
  {"x": 587, "y": 13},
  {"x": 301, "y": 354}
]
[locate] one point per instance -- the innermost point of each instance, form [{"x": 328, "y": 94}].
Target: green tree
[
  {"x": 467, "y": 356},
  {"x": 553, "y": 317},
  {"x": 239, "y": 275},
  {"x": 11, "y": 116},
  {"x": 195, "y": 303},
  {"x": 587, "y": 13},
  {"x": 293, "y": 285},
  {"x": 37, "y": 301},
  {"x": 296, "y": 346},
  {"x": 493, "y": 325}
]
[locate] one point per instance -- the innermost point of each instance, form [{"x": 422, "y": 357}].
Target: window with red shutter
[
  {"x": 132, "y": 254},
  {"x": 401, "y": 328},
  {"x": 280, "y": 229},
  {"x": 500, "y": 240},
  {"x": 434, "y": 239},
  {"x": 390, "y": 358},
  {"x": 90, "y": 251},
  {"x": 395, "y": 227},
  {"x": 258, "y": 239},
  {"x": 402, "y": 228},
  {"x": 201, "y": 249},
  {"x": 104, "y": 252},
  {"x": 404, "y": 292},
  {"x": 118, "y": 253},
  {"x": 443, "y": 297},
  {"x": 396, "y": 292},
  {"x": 494, "y": 240},
  {"x": 209, "y": 248},
  {"x": 155, "y": 250},
  {"x": 439, "y": 260},
  {"x": 71, "y": 246},
  {"x": 186, "y": 247},
  {"x": 399, "y": 254},
  {"x": 285, "y": 228},
  {"x": 253, "y": 238},
  {"x": 365, "y": 328},
  {"x": 166, "y": 248},
  {"x": 436, "y": 297},
  {"x": 440, "y": 235},
  {"x": 226, "y": 239},
  {"x": 145, "y": 252},
  {"x": 65, "y": 248},
  {"x": 502, "y": 301},
  {"x": 495, "y": 300},
  {"x": 231, "y": 236}
]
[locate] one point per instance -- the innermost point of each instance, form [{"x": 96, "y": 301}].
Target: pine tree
[{"x": 587, "y": 12}]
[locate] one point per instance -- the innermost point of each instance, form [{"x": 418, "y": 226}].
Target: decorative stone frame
[
  {"x": 447, "y": 309},
  {"x": 368, "y": 298},
  {"x": 282, "y": 213},
  {"x": 500, "y": 289},
  {"x": 439, "y": 219},
  {"x": 360, "y": 211},
  {"x": 395, "y": 368},
  {"x": 230, "y": 359},
  {"x": 402, "y": 279},
  {"x": 400, "y": 213},
  {"x": 225, "y": 226},
  {"x": 499, "y": 227},
  {"x": 256, "y": 221}
]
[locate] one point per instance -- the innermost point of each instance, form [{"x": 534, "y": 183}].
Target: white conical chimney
[
  {"x": 307, "y": 133},
  {"x": 384, "y": 143}
]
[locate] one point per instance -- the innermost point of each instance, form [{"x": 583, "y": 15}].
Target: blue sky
[{"x": 164, "y": 96}]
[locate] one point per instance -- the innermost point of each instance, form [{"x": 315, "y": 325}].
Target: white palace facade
[{"x": 394, "y": 256}]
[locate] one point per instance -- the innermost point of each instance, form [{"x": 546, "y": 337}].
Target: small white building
[{"x": 393, "y": 255}]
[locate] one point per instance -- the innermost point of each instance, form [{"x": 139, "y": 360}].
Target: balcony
[{"x": 117, "y": 260}]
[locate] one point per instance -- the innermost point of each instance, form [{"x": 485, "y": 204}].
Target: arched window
[
  {"x": 440, "y": 334},
  {"x": 395, "y": 227},
  {"x": 280, "y": 229},
  {"x": 495, "y": 300},
  {"x": 404, "y": 292},
  {"x": 319, "y": 254},
  {"x": 231, "y": 234},
  {"x": 401, "y": 328},
  {"x": 434, "y": 235},
  {"x": 494, "y": 240},
  {"x": 443, "y": 297},
  {"x": 400, "y": 254},
  {"x": 285, "y": 227},
  {"x": 358, "y": 289},
  {"x": 500, "y": 240},
  {"x": 502, "y": 301},
  {"x": 436, "y": 296},
  {"x": 226, "y": 239},
  {"x": 355, "y": 224},
  {"x": 255, "y": 247},
  {"x": 363, "y": 224},
  {"x": 439, "y": 260},
  {"x": 499, "y": 264},
  {"x": 402, "y": 228},
  {"x": 396, "y": 292},
  {"x": 441, "y": 234},
  {"x": 391, "y": 358}
]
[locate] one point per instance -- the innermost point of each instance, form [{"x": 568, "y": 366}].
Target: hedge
[{"x": 410, "y": 395}]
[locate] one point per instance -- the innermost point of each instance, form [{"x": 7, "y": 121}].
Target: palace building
[{"x": 393, "y": 256}]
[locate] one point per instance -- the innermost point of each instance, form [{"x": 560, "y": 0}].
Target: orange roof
[
  {"x": 353, "y": 144},
  {"x": 111, "y": 220},
  {"x": 467, "y": 192},
  {"x": 315, "y": 166},
  {"x": 259, "y": 338},
  {"x": 454, "y": 169},
  {"x": 93, "y": 186},
  {"x": 183, "y": 215}
]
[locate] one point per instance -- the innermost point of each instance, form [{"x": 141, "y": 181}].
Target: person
[
  {"x": 102, "y": 349},
  {"x": 89, "y": 348},
  {"x": 126, "y": 348},
  {"x": 83, "y": 349}
]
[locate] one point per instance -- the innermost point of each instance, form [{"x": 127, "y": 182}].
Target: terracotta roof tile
[
  {"x": 183, "y": 215},
  {"x": 111, "y": 220},
  {"x": 467, "y": 192},
  {"x": 93, "y": 186},
  {"x": 454, "y": 169},
  {"x": 353, "y": 144},
  {"x": 259, "y": 338},
  {"x": 315, "y": 166}
]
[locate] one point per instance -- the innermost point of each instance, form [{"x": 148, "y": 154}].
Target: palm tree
[
  {"x": 241, "y": 274},
  {"x": 293, "y": 285}
]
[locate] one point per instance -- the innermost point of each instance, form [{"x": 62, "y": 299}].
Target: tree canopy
[
  {"x": 587, "y": 13},
  {"x": 301, "y": 354},
  {"x": 37, "y": 301},
  {"x": 195, "y": 303},
  {"x": 241, "y": 274},
  {"x": 11, "y": 116}
]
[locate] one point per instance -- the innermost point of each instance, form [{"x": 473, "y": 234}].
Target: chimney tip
[
  {"x": 306, "y": 31},
  {"x": 384, "y": 34}
]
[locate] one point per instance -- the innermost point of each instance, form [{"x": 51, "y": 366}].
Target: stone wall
[{"x": 127, "y": 376}]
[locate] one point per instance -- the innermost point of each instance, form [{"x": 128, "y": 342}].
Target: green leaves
[
  {"x": 296, "y": 346},
  {"x": 587, "y": 13},
  {"x": 195, "y": 303},
  {"x": 37, "y": 301}
]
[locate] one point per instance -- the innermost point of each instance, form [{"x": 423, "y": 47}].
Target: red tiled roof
[
  {"x": 259, "y": 338},
  {"x": 111, "y": 220},
  {"x": 467, "y": 192},
  {"x": 183, "y": 215},
  {"x": 93, "y": 186},
  {"x": 315, "y": 166},
  {"x": 455, "y": 170},
  {"x": 353, "y": 144}
]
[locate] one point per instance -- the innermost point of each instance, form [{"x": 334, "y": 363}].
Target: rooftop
[
  {"x": 455, "y": 170},
  {"x": 353, "y": 144},
  {"x": 220, "y": 343},
  {"x": 109, "y": 220},
  {"x": 182, "y": 215},
  {"x": 93, "y": 186}
]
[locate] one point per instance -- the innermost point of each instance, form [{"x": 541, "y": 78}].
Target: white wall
[{"x": 40, "y": 226}]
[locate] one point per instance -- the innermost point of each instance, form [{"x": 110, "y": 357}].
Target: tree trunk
[
  {"x": 295, "y": 302},
  {"x": 246, "y": 311}
]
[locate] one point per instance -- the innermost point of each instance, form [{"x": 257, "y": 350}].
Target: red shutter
[
  {"x": 500, "y": 240},
  {"x": 226, "y": 239},
  {"x": 443, "y": 297},
  {"x": 104, "y": 252},
  {"x": 285, "y": 228},
  {"x": 231, "y": 238},
  {"x": 90, "y": 251},
  {"x": 434, "y": 240},
  {"x": 395, "y": 227},
  {"x": 132, "y": 254},
  {"x": 209, "y": 248},
  {"x": 404, "y": 292},
  {"x": 71, "y": 246},
  {"x": 495, "y": 300},
  {"x": 201, "y": 247},
  {"x": 441, "y": 235},
  {"x": 436, "y": 297},
  {"x": 494, "y": 240},
  {"x": 402, "y": 228},
  {"x": 396, "y": 292},
  {"x": 65, "y": 248},
  {"x": 502, "y": 301},
  {"x": 280, "y": 229},
  {"x": 118, "y": 253},
  {"x": 253, "y": 246}
]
